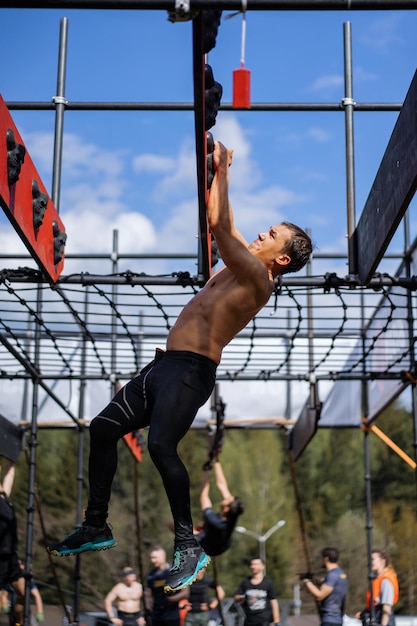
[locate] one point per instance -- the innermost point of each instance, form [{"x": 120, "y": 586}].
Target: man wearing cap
[{"x": 126, "y": 595}]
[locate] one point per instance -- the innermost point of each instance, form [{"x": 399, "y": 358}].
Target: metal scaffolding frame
[{"x": 104, "y": 327}]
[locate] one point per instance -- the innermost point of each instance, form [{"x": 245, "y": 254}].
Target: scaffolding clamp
[
  {"x": 60, "y": 100},
  {"x": 348, "y": 102},
  {"x": 182, "y": 12}
]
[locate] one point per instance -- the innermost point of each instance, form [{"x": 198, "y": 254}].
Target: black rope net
[{"x": 330, "y": 329}]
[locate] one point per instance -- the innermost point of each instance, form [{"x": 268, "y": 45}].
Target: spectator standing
[
  {"x": 332, "y": 591},
  {"x": 163, "y": 607},
  {"x": 200, "y": 604},
  {"x": 10, "y": 570},
  {"x": 385, "y": 591},
  {"x": 259, "y": 597},
  {"x": 126, "y": 595}
]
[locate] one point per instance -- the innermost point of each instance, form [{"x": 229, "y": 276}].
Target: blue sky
[{"x": 135, "y": 171}]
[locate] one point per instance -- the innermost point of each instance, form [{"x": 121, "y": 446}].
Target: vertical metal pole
[
  {"x": 367, "y": 463},
  {"x": 204, "y": 261},
  {"x": 80, "y": 464},
  {"x": 32, "y": 465},
  {"x": 262, "y": 551},
  {"x": 369, "y": 524},
  {"x": 313, "y": 386},
  {"x": 60, "y": 103},
  {"x": 349, "y": 105},
  {"x": 289, "y": 398},
  {"x": 410, "y": 320},
  {"x": 115, "y": 257}
]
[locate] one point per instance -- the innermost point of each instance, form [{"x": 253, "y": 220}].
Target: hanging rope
[
  {"x": 301, "y": 521},
  {"x": 50, "y": 558},
  {"x": 218, "y": 436},
  {"x": 216, "y": 582}
]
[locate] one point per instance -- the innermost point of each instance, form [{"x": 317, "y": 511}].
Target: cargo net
[{"x": 110, "y": 331}]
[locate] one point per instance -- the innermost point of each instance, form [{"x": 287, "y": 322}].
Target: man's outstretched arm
[
  {"x": 233, "y": 247},
  {"x": 205, "y": 501},
  {"x": 221, "y": 482},
  {"x": 219, "y": 210}
]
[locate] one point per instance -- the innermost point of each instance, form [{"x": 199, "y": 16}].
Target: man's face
[
  {"x": 129, "y": 577},
  {"x": 225, "y": 507},
  {"x": 271, "y": 243},
  {"x": 256, "y": 566},
  {"x": 157, "y": 558}
]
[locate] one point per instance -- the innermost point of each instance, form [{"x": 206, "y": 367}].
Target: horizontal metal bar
[
  {"x": 233, "y": 5},
  {"x": 370, "y": 376},
  {"x": 172, "y": 255},
  {"x": 330, "y": 281},
  {"x": 189, "y": 106},
  {"x": 111, "y": 256}
]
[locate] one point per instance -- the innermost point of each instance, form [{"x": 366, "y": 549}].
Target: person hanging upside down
[
  {"x": 215, "y": 536},
  {"x": 168, "y": 392}
]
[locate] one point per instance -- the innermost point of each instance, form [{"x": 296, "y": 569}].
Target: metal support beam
[
  {"x": 35, "y": 375},
  {"x": 328, "y": 282},
  {"x": 392, "y": 190},
  {"x": 16, "y": 105},
  {"x": 200, "y": 139},
  {"x": 232, "y": 5}
]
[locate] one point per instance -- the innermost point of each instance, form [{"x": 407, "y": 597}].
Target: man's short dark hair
[
  {"x": 331, "y": 553},
  {"x": 257, "y": 558},
  {"x": 299, "y": 248}
]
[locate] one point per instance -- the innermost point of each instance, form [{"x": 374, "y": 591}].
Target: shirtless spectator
[{"x": 126, "y": 595}]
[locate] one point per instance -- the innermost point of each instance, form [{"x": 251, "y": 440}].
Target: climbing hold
[
  {"x": 15, "y": 157},
  {"x": 39, "y": 204},
  {"x": 211, "y": 23},
  {"x": 60, "y": 239},
  {"x": 210, "y": 165},
  {"x": 213, "y": 94}
]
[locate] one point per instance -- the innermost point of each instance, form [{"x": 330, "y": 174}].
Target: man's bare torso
[
  {"x": 128, "y": 597},
  {"x": 217, "y": 313}
]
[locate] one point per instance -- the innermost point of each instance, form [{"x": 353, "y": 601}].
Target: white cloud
[
  {"x": 153, "y": 163},
  {"x": 182, "y": 180},
  {"x": 93, "y": 201},
  {"x": 364, "y": 76},
  {"x": 327, "y": 83},
  {"x": 319, "y": 134},
  {"x": 384, "y": 33},
  {"x": 79, "y": 159},
  {"x": 246, "y": 172},
  {"x": 89, "y": 231}
]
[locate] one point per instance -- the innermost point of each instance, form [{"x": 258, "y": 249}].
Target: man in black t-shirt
[
  {"x": 163, "y": 606},
  {"x": 259, "y": 596},
  {"x": 199, "y": 602}
]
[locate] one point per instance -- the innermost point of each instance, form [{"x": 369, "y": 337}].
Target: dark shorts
[
  {"x": 129, "y": 619},
  {"x": 165, "y": 622},
  {"x": 10, "y": 570}
]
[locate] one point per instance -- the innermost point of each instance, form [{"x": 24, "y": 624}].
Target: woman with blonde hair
[{"x": 385, "y": 591}]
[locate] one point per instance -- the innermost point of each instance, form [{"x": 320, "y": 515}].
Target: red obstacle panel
[
  {"x": 26, "y": 202},
  {"x": 133, "y": 443}
]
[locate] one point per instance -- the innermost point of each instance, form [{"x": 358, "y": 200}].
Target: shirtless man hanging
[{"x": 169, "y": 391}]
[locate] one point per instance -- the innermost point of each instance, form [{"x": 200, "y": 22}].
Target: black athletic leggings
[{"x": 166, "y": 397}]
